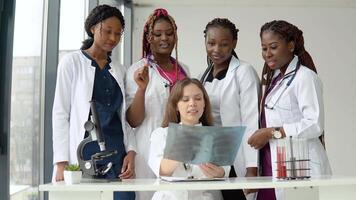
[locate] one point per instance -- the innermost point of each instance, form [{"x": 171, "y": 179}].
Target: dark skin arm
[
  {"x": 135, "y": 114},
  {"x": 260, "y": 137},
  {"x": 258, "y": 140},
  {"x": 128, "y": 166}
]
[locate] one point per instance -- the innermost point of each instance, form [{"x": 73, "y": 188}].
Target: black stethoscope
[
  {"x": 205, "y": 74},
  {"x": 290, "y": 74}
]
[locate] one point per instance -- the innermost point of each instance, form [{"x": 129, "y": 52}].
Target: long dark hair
[
  {"x": 290, "y": 33},
  {"x": 97, "y": 15},
  {"x": 158, "y": 14}
]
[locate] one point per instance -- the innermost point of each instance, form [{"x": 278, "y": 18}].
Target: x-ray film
[{"x": 203, "y": 144}]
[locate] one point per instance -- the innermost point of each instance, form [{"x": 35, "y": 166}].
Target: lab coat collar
[
  {"x": 152, "y": 63},
  {"x": 234, "y": 63},
  {"x": 93, "y": 62},
  {"x": 292, "y": 65}
]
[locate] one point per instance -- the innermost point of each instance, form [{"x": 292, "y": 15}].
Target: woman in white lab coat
[
  {"x": 188, "y": 104},
  {"x": 292, "y": 105},
  {"x": 148, "y": 83},
  {"x": 233, "y": 88},
  {"x": 89, "y": 74}
]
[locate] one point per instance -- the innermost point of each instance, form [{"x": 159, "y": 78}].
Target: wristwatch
[{"x": 276, "y": 133}]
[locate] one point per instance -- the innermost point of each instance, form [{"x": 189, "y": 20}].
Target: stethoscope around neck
[
  {"x": 290, "y": 74},
  {"x": 151, "y": 62}
]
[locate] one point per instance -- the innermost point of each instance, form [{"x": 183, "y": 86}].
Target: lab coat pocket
[
  {"x": 154, "y": 104},
  {"x": 315, "y": 161},
  {"x": 156, "y": 96},
  {"x": 284, "y": 108}
]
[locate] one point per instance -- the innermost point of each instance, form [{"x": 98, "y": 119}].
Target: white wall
[{"x": 330, "y": 37}]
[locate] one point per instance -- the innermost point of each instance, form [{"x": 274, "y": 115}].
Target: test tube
[
  {"x": 281, "y": 158},
  {"x": 292, "y": 157},
  {"x": 302, "y": 157},
  {"x": 297, "y": 155},
  {"x": 305, "y": 157},
  {"x": 288, "y": 158}
]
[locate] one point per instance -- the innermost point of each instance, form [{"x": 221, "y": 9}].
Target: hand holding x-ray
[{"x": 203, "y": 144}]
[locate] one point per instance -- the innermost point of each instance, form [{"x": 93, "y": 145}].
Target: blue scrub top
[{"x": 108, "y": 98}]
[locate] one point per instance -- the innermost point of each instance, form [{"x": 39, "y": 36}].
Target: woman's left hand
[
  {"x": 128, "y": 166},
  {"x": 260, "y": 138},
  {"x": 212, "y": 171}
]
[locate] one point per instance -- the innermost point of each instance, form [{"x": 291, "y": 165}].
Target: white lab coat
[
  {"x": 156, "y": 96},
  {"x": 236, "y": 96},
  {"x": 158, "y": 143},
  {"x": 75, "y": 81},
  {"x": 300, "y": 111}
]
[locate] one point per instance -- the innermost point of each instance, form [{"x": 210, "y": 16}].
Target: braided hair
[
  {"x": 97, "y": 15},
  {"x": 222, "y": 23},
  {"x": 158, "y": 14},
  {"x": 290, "y": 33}
]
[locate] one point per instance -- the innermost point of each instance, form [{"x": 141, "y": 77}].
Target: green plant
[{"x": 72, "y": 167}]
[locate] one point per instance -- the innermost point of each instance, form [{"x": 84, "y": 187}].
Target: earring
[{"x": 292, "y": 50}]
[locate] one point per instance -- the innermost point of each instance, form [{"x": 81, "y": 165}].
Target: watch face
[{"x": 277, "y": 134}]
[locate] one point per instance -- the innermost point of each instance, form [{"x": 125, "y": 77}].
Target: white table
[{"x": 322, "y": 188}]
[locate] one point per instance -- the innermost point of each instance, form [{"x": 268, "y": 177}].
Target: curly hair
[{"x": 97, "y": 15}]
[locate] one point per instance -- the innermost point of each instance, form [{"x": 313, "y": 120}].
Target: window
[
  {"x": 25, "y": 101},
  {"x": 71, "y": 29}
]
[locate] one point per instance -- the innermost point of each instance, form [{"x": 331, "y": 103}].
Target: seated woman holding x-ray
[{"x": 188, "y": 104}]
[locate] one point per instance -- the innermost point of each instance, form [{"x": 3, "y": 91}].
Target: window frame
[{"x": 7, "y": 20}]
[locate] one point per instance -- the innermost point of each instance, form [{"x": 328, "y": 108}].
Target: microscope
[{"x": 91, "y": 167}]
